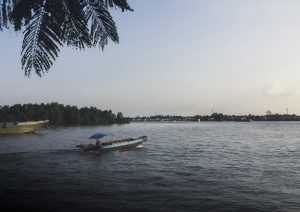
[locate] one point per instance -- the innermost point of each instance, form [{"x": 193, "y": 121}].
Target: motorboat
[{"x": 98, "y": 145}]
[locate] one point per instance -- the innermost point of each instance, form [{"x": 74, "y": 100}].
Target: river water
[{"x": 182, "y": 167}]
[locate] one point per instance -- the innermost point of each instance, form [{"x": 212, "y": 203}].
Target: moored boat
[
  {"x": 97, "y": 145},
  {"x": 22, "y": 127}
]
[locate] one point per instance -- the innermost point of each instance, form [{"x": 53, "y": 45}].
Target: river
[{"x": 204, "y": 166}]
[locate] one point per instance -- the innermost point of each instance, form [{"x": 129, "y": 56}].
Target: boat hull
[
  {"x": 113, "y": 145},
  {"x": 22, "y": 128}
]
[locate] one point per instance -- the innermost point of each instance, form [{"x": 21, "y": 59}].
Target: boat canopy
[{"x": 98, "y": 136}]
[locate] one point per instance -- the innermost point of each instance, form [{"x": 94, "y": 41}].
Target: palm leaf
[
  {"x": 74, "y": 26},
  {"x": 22, "y": 12},
  {"x": 118, "y": 3},
  {"x": 50, "y": 23},
  {"x": 12, "y": 11},
  {"x": 5, "y": 10},
  {"x": 102, "y": 24},
  {"x": 1, "y": 17},
  {"x": 41, "y": 40}
]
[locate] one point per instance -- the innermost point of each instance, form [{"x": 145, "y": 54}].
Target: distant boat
[
  {"x": 22, "y": 127},
  {"x": 99, "y": 146}
]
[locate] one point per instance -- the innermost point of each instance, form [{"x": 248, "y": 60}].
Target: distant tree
[
  {"x": 119, "y": 117},
  {"x": 56, "y": 113},
  {"x": 71, "y": 115},
  {"x": 268, "y": 113},
  {"x": 50, "y": 24},
  {"x": 217, "y": 116}
]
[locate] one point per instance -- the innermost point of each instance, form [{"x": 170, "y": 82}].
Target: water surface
[{"x": 183, "y": 167}]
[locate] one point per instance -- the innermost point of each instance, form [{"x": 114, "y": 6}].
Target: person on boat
[
  {"x": 94, "y": 143},
  {"x": 98, "y": 142}
]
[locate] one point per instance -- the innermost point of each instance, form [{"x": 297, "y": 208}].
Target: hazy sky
[{"x": 175, "y": 57}]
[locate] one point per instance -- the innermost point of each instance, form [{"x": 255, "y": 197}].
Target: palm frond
[
  {"x": 74, "y": 26},
  {"x": 5, "y": 10},
  {"x": 102, "y": 24},
  {"x": 1, "y": 24},
  {"x": 50, "y": 23},
  {"x": 22, "y": 12},
  {"x": 118, "y": 3},
  {"x": 41, "y": 40}
]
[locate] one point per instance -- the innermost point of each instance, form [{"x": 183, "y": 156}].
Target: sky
[{"x": 174, "y": 57}]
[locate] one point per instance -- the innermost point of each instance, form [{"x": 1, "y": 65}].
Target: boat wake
[{"x": 131, "y": 149}]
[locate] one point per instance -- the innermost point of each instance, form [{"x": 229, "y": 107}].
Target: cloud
[{"x": 276, "y": 89}]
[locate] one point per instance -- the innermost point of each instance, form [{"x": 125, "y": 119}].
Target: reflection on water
[{"x": 182, "y": 167}]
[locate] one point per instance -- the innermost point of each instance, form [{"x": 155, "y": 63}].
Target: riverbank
[{"x": 217, "y": 117}]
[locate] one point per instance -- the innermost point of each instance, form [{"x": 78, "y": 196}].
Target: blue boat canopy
[{"x": 98, "y": 136}]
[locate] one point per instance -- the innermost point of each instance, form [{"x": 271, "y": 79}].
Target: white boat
[{"x": 97, "y": 145}]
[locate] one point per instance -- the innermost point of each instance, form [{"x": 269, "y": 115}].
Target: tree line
[
  {"x": 250, "y": 117},
  {"x": 221, "y": 117},
  {"x": 60, "y": 114}
]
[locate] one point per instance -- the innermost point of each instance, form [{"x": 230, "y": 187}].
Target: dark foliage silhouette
[
  {"x": 49, "y": 24},
  {"x": 59, "y": 114}
]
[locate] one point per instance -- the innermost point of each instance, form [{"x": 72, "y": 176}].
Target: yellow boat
[{"x": 22, "y": 127}]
